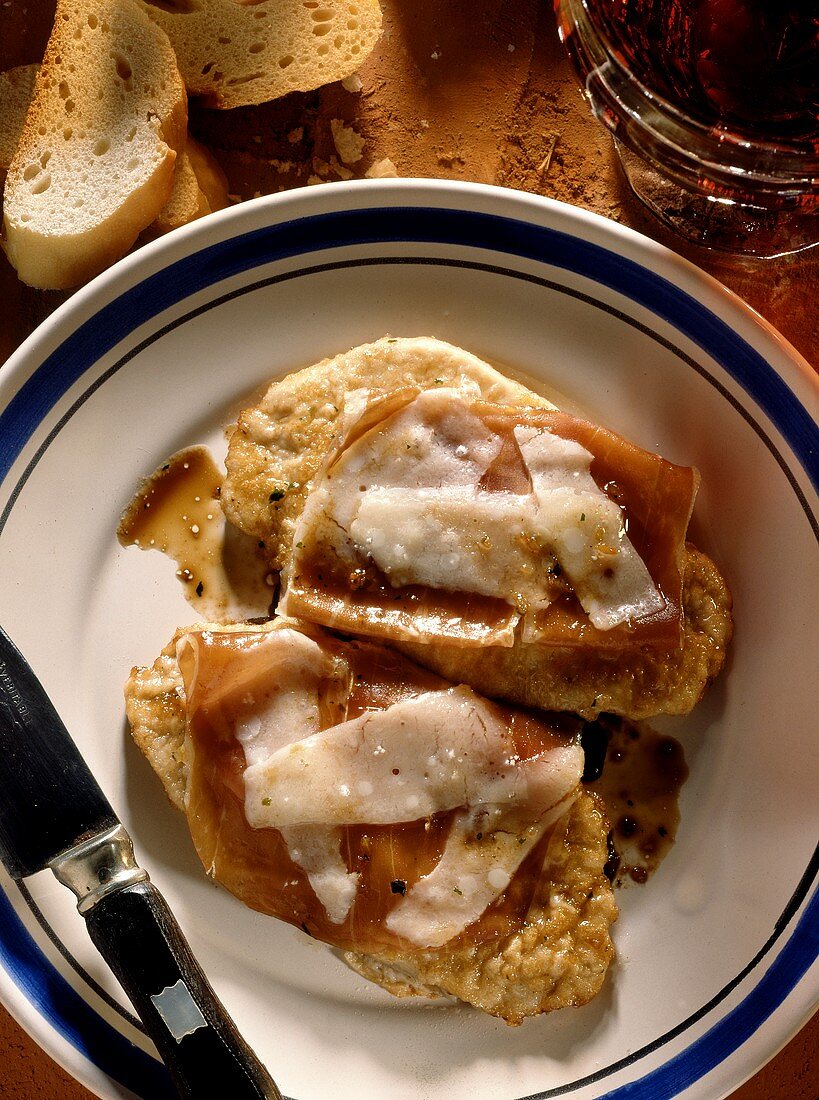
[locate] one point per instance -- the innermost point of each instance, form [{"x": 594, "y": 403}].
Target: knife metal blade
[
  {"x": 54, "y": 814},
  {"x": 49, "y": 801}
]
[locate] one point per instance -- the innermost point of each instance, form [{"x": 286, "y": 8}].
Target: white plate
[{"x": 716, "y": 959}]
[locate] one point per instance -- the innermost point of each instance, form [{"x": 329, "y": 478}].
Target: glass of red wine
[{"x": 714, "y": 105}]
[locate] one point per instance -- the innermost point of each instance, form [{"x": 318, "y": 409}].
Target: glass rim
[{"x": 722, "y": 147}]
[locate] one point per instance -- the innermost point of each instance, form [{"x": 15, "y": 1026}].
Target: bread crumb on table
[
  {"x": 382, "y": 169},
  {"x": 339, "y": 169},
  {"x": 349, "y": 144}
]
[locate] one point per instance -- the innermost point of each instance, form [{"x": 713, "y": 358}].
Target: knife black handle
[{"x": 137, "y": 935}]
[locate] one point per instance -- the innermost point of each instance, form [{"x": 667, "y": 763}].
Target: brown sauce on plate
[
  {"x": 178, "y": 512},
  {"x": 638, "y": 773}
]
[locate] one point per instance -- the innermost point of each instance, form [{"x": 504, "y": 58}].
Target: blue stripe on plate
[
  {"x": 73, "y": 1017},
  {"x": 55, "y": 999},
  {"x": 417, "y": 225},
  {"x": 726, "y": 1036}
]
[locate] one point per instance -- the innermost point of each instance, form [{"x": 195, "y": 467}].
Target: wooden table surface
[{"x": 456, "y": 89}]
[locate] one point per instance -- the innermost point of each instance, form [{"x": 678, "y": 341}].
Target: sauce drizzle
[
  {"x": 178, "y": 512},
  {"x": 638, "y": 773}
]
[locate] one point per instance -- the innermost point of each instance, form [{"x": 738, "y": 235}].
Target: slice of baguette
[
  {"x": 199, "y": 184},
  {"x": 199, "y": 188},
  {"x": 238, "y": 54},
  {"x": 16, "y": 90},
  {"x": 187, "y": 201},
  {"x": 94, "y": 165},
  {"x": 211, "y": 179}
]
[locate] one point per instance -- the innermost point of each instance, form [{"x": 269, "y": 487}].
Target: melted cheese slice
[
  {"x": 454, "y": 538},
  {"x": 434, "y": 752},
  {"x": 450, "y": 447},
  {"x": 456, "y": 496},
  {"x": 586, "y": 531},
  {"x": 347, "y": 762},
  {"x": 471, "y": 873}
]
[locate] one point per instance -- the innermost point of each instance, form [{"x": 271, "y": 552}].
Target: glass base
[{"x": 718, "y": 223}]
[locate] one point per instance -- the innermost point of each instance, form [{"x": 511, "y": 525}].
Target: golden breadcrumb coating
[{"x": 558, "y": 959}]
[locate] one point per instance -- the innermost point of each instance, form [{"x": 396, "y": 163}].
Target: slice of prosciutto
[
  {"x": 338, "y": 786},
  {"x": 442, "y": 517}
]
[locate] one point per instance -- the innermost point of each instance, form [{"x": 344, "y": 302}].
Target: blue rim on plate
[{"x": 43, "y": 986}]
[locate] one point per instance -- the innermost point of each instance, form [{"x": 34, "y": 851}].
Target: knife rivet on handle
[
  {"x": 178, "y": 1009},
  {"x": 98, "y": 866}
]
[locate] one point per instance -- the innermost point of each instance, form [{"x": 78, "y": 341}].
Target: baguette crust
[
  {"x": 95, "y": 161},
  {"x": 558, "y": 959},
  {"x": 237, "y": 55},
  {"x": 16, "y": 90}
]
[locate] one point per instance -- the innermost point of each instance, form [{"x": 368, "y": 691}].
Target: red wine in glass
[{"x": 751, "y": 66}]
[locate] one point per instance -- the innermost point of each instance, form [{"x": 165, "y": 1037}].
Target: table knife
[{"x": 53, "y": 814}]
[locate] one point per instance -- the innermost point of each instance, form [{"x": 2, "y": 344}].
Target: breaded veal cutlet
[
  {"x": 279, "y": 445},
  {"x": 558, "y": 958}
]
